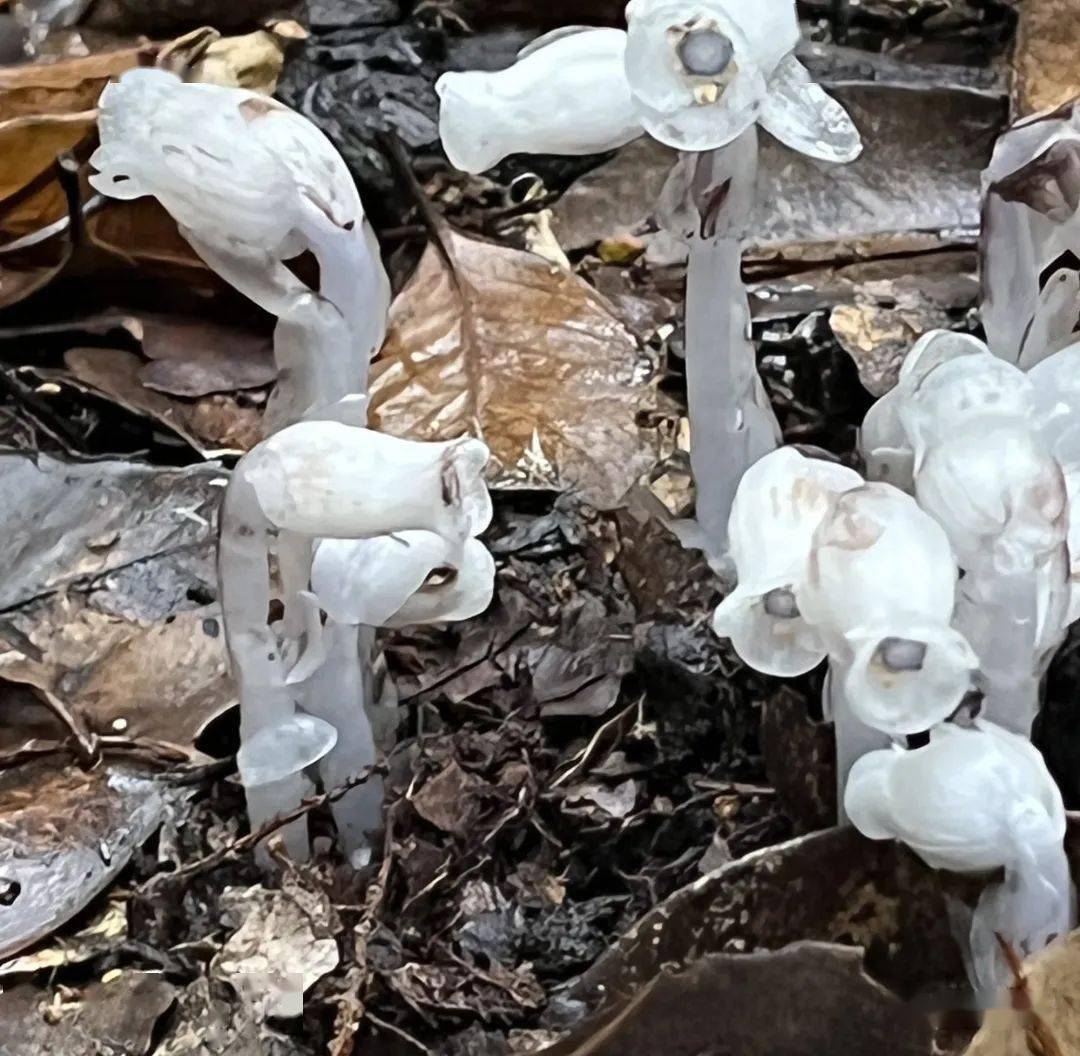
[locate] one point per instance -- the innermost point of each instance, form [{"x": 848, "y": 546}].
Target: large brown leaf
[{"x": 524, "y": 355}]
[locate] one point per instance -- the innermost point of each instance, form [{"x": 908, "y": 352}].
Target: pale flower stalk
[
  {"x": 305, "y": 483},
  {"x": 973, "y": 801},
  {"x": 698, "y": 76}
]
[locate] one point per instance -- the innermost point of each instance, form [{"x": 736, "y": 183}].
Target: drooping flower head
[
  {"x": 974, "y": 800},
  {"x": 881, "y": 587},
  {"x": 779, "y": 503},
  {"x": 694, "y": 75}
]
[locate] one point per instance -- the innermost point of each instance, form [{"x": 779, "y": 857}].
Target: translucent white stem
[
  {"x": 854, "y": 738},
  {"x": 257, "y": 662},
  {"x": 731, "y": 422},
  {"x": 341, "y": 692}
]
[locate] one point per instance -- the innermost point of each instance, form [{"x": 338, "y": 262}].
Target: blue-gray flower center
[
  {"x": 781, "y": 604},
  {"x": 902, "y": 654},
  {"x": 705, "y": 52}
]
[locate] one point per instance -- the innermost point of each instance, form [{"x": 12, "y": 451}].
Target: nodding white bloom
[
  {"x": 884, "y": 439},
  {"x": 282, "y": 751},
  {"x": 881, "y": 588},
  {"x": 974, "y": 800},
  {"x": 780, "y": 501},
  {"x": 239, "y": 169},
  {"x": 338, "y": 481},
  {"x": 400, "y": 579},
  {"x": 694, "y": 75},
  {"x": 1055, "y": 383},
  {"x": 251, "y": 184},
  {"x": 1031, "y": 220}
]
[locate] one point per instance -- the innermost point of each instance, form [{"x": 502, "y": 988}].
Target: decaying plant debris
[{"x": 604, "y": 834}]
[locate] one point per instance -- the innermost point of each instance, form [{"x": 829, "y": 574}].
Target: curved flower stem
[
  {"x": 709, "y": 202},
  {"x": 258, "y": 666}
]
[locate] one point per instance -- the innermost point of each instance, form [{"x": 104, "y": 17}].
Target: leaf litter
[{"x": 603, "y": 834}]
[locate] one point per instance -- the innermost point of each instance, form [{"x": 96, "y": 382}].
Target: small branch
[
  {"x": 1040, "y": 1038},
  {"x": 248, "y": 842}
]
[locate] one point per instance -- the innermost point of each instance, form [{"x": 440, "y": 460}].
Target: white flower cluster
[
  {"x": 946, "y": 576},
  {"x": 367, "y": 530}
]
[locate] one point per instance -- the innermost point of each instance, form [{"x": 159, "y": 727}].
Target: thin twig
[{"x": 246, "y": 843}]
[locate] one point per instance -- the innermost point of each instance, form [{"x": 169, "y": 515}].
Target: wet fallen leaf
[
  {"x": 100, "y": 935},
  {"x": 118, "y": 1016},
  {"x": 916, "y": 184},
  {"x": 830, "y": 886},
  {"x": 809, "y": 997},
  {"x": 251, "y": 61},
  {"x": 1047, "y": 39},
  {"x": 283, "y": 944},
  {"x": 64, "y": 835},
  {"x": 450, "y": 800},
  {"x": 117, "y": 375},
  {"x": 109, "y": 597},
  {"x": 524, "y": 355},
  {"x": 1051, "y": 986}
]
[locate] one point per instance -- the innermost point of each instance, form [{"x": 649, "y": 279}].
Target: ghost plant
[
  {"x": 415, "y": 510},
  {"x": 975, "y": 800},
  {"x": 1031, "y": 237},
  {"x": 831, "y": 566},
  {"x": 697, "y": 75},
  {"x": 252, "y": 184},
  {"x": 971, "y": 429}
]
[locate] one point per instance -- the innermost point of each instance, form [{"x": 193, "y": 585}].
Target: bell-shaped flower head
[
  {"x": 975, "y": 800},
  {"x": 884, "y": 442},
  {"x": 881, "y": 588},
  {"x": 1056, "y": 384},
  {"x": 239, "y": 170},
  {"x": 285, "y": 750},
  {"x": 566, "y": 94},
  {"x": 704, "y": 71},
  {"x": 998, "y": 493},
  {"x": 956, "y": 386},
  {"x": 779, "y": 503},
  {"x": 695, "y": 75},
  {"x": 333, "y": 480},
  {"x": 405, "y": 578}
]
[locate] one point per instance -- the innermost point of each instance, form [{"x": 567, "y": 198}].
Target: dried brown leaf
[
  {"x": 524, "y": 355},
  {"x": 1047, "y": 40}
]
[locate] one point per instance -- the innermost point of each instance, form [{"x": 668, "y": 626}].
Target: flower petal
[
  {"x": 803, "y": 116},
  {"x": 569, "y": 96}
]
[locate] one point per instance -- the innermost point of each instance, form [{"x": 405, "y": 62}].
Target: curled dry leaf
[
  {"x": 524, "y": 355},
  {"x": 64, "y": 835},
  {"x": 109, "y": 597},
  {"x": 807, "y": 997},
  {"x": 831, "y": 886},
  {"x": 283, "y": 944}
]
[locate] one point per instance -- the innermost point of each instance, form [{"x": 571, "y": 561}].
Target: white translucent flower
[
  {"x": 693, "y": 75},
  {"x": 237, "y": 168},
  {"x": 881, "y": 588},
  {"x": 404, "y": 578},
  {"x": 333, "y": 480},
  {"x": 883, "y": 439},
  {"x": 780, "y": 501},
  {"x": 974, "y": 800},
  {"x": 568, "y": 96},
  {"x": 284, "y": 750}
]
